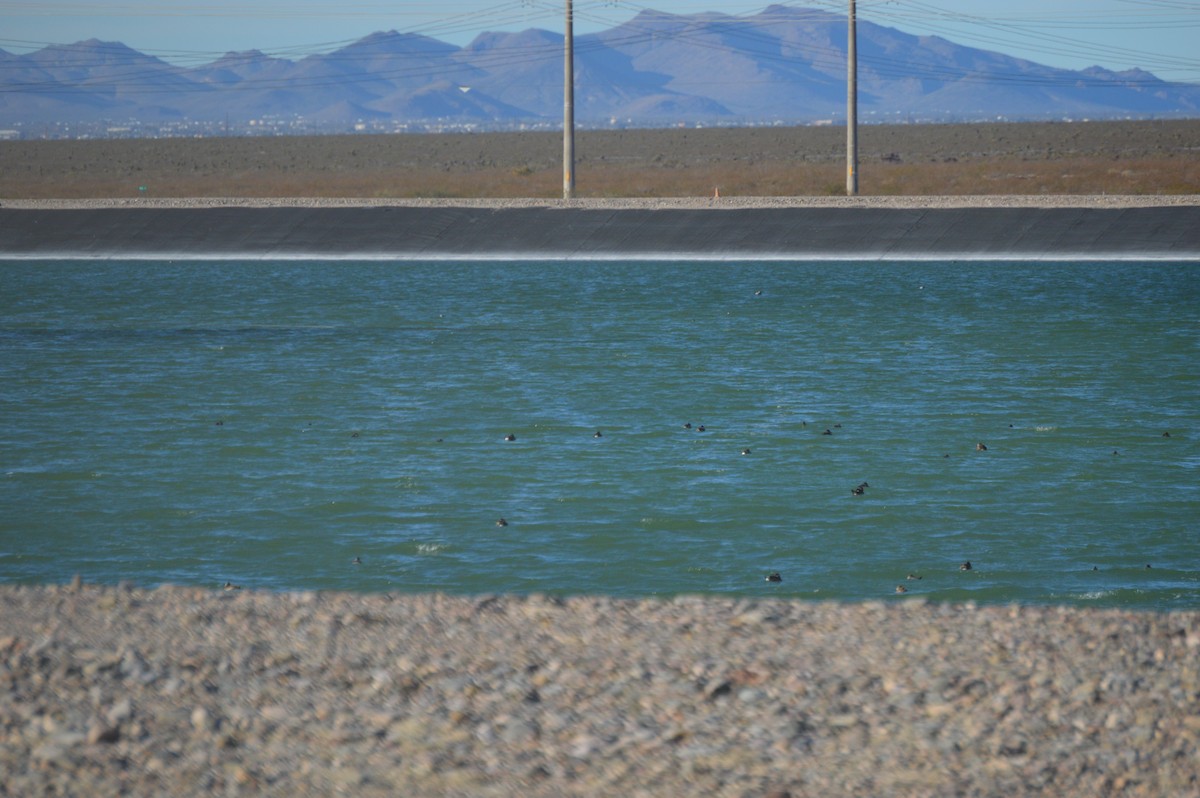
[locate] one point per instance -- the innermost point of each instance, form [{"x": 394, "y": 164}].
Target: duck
[
  {"x": 901, "y": 589},
  {"x": 232, "y": 586},
  {"x": 501, "y": 522},
  {"x": 965, "y": 566},
  {"x": 979, "y": 447},
  {"x": 510, "y": 437},
  {"x": 775, "y": 577}
]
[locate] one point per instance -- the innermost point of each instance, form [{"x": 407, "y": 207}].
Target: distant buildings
[{"x": 299, "y": 126}]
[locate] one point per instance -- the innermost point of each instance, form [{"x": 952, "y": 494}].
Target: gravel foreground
[{"x": 185, "y": 691}]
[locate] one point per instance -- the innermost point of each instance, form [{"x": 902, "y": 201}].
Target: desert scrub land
[{"x": 1128, "y": 157}]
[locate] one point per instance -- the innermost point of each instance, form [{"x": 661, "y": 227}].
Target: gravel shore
[{"x": 185, "y": 691}]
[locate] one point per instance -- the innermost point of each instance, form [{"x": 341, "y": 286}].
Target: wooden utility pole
[
  {"x": 569, "y": 108},
  {"x": 851, "y": 104}
]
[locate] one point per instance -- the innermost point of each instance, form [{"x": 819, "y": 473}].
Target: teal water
[{"x": 267, "y": 422}]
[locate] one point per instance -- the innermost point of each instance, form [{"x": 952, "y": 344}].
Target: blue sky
[{"x": 1156, "y": 35}]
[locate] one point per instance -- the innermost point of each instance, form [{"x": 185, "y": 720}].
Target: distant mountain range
[{"x": 785, "y": 64}]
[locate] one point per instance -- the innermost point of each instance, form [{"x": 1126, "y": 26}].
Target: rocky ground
[
  {"x": 1127, "y": 157},
  {"x": 184, "y": 691}
]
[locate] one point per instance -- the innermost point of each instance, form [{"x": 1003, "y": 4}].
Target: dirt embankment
[{"x": 1143, "y": 157}]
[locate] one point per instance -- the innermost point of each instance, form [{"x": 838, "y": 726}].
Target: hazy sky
[{"x": 1157, "y": 35}]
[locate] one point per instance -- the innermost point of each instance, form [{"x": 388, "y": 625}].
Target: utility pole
[
  {"x": 851, "y": 104},
  {"x": 569, "y": 108}
]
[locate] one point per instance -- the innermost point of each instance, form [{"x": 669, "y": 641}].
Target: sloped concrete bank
[{"x": 1099, "y": 228}]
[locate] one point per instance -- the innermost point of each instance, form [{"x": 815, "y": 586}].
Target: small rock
[
  {"x": 119, "y": 712},
  {"x": 202, "y": 721},
  {"x": 718, "y": 689},
  {"x": 519, "y": 732},
  {"x": 102, "y": 733},
  {"x": 583, "y": 746}
]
